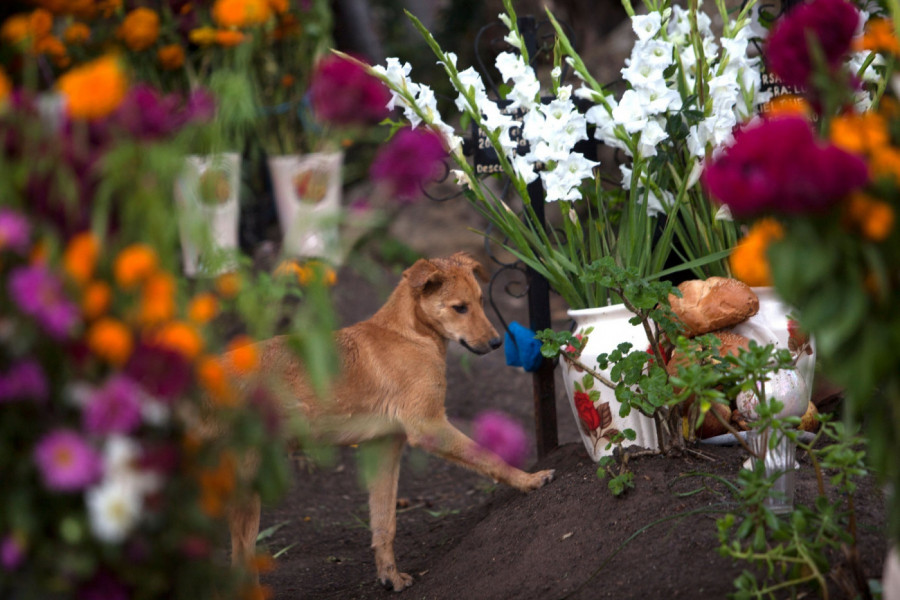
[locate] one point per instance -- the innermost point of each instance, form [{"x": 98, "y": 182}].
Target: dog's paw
[
  {"x": 392, "y": 579},
  {"x": 537, "y": 480}
]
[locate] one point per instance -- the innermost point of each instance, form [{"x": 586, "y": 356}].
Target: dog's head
[{"x": 450, "y": 300}]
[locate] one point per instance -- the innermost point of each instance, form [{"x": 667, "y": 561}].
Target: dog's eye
[{"x": 461, "y": 308}]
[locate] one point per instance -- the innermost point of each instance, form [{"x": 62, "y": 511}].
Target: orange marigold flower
[
  {"x": 217, "y": 485},
  {"x": 170, "y": 57},
  {"x": 228, "y": 285},
  {"x": 140, "y": 28},
  {"x": 885, "y": 163},
  {"x": 860, "y": 133},
  {"x": 787, "y": 104},
  {"x": 77, "y": 34},
  {"x": 872, "y": 217},
  {"x": 95, "y": 89},
  {"x": 279, "y": 6},
  {"x": 242, "y": 355},
  {"x": 16, "y": 29},
  {"x": 96, "y": 299},
  {"x": 213, "y": 378},
  {"x": 748, "y": 260},
  {"x": 203, "y": 308},
  {"x": 134, "y": 264},
  {"x": 240, "y": 13},
  {"x": 203, "y": 36},
  {"x": 288, "y": 25},
  {"x": 181, "y": 337},
  {"x": 53, "y": 47},
  {"x": 158, "y": 298},
  {"x": 111, "y": 340},
  {"x": 5, "y": 87},
  {"x": 40, "y": 23},
  {"x": 262, "y": 563},
  {"x": 228, "y": 38},
  {"x": 878, "y": 37},
  {"x": 109, "y": 7},
  {"x": 80, "y": 257},
  {"x": 257, "y": 592}
]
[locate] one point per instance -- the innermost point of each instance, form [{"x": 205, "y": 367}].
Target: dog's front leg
[
  {"x": 445, "y": 440},
  {"x": 382, "y": 484}
]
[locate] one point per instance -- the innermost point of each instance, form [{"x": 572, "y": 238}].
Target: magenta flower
[
  {"x": 778, "y": 165},
  {"x": 25, "y": 380},
  {"x": 148, "y": 114},
  {"x": 408, "y": 161},
  {"x": 12, "y": 553},
  {"x": 15, "y": 231},
  {"x": 39, "y": 294},
  {"x": 114, "y": 408},
  {"x": 66, "y": 461},
  {"x": 343, "y": 93},
  {"x": 163, "y": 373},
  {"x": 831, "y": 22},
  {"x": 496, "y": 432}
]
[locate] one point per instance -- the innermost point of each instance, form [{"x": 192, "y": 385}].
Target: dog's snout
[{"x": 495, "y": 342}]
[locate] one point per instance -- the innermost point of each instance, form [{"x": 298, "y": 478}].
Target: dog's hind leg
[
  {"x": 243, "y": 520},
  {"x": 382, "y": 484}
]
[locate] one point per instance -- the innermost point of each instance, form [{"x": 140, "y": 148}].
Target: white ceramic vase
[
  {"x": 770, "y": 326},
  {"x": 307, "y": 192},
  {"x": 207, "y": 197},
  {"x": 611, "y": 328}
]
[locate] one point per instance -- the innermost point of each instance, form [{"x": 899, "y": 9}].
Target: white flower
[
  {"x": 526, "y": 86},
  {"x": 114, "y": 508},
  {"x": 646, "y": 26},
  {"x": 462, "y": 178},
  {"x": 651, "y": 135},
  {"x": 639, "y": 73},
  {"x": 563, "y": 181},
  {"x": 658, "y": 53},
  {"x": 631, "y": 112},
  {"x": 470, "y": 84},
  {"x": 524, "y": 169}
]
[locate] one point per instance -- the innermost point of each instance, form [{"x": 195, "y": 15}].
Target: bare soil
[{"x": 461, "y": 536}]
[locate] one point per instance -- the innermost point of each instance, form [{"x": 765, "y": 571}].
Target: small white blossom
[
  {"x": 113, "y": 510},
  {"x": 646, "y": 26}
]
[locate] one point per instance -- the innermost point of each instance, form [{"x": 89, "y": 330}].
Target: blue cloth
[{"x": 522, "y": 349}]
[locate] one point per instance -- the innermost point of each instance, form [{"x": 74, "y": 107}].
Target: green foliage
[{"x": 799, "y": 550}]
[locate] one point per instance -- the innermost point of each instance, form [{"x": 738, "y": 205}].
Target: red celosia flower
[
  {"x": 831, "y": 23},
  {"x": 343, "y": 93},
  {"x": 408, "y": 161},
  {"x": 778, "y": 165}
]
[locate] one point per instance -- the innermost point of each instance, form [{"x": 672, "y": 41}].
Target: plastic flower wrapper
[{"x": 823, "y": 229}]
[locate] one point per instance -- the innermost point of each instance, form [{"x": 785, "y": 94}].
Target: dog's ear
[
  {"x": 423, "y": 276},
  {"x": 467, "y": 260}
]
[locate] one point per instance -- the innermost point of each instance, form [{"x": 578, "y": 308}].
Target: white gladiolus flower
[
  {"x": 651, "y": 135},
  {"x": 562, "y": 182},
  {"x": 526, "y": 86},
  {"x": 646, "y": 26},
  {"x": 113, "y": 510},
  {"x": 524, "y": 169},
  {"x": 631, "y": 112}
]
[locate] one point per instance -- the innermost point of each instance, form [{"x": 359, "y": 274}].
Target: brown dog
[{"x": 391, "y": 391}]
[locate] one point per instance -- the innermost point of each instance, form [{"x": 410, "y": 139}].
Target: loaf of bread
[{"x": 710, "y": 304}]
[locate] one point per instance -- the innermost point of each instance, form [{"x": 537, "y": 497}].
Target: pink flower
[
  {"x": 15, "y": 231},
  {"x": 778, "y": 165},
  {"x": 114, "y": 408},
  {"x": 39, "y": 294},
  {"x": 66, "y": 462},
  {"x": 343, "y": 93},
  {"x": 409, "y": 160},
  {"x": 12, "y": 553},
  {"x": 496, "y": 432},
  {"x": 25, "y": 380},
  {"x": 831, "y": 22}
]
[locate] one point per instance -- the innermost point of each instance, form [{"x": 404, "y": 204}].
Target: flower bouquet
[{"x": 823, "y": 225}]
